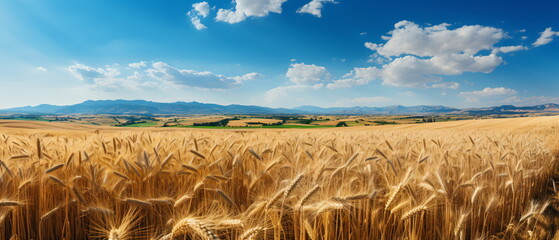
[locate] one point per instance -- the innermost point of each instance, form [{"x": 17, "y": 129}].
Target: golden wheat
[{"x": 456, "y": 183}]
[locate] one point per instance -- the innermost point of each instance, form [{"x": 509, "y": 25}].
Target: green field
[
  {"x": 270, "y": 126},
  {"x": 146, "y": 124},
  {"x": 296, "y": 126}
]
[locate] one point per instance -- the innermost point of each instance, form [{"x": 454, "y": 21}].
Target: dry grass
[
  {"x": 376, "y": 183},
  {"x": 244, "y": 122}
]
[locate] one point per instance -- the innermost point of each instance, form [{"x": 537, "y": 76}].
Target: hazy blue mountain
[
  {"x": 510, "y": 109},
  {"x": 43, "y": 108},
  {"x": 141, "y": 107}
]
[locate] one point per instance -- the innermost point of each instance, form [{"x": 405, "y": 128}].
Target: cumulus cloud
[
  {"x": 474, "y": 96},
  {"x": 41, "y": 69},
  {"x": 158, "y": 75},
  {"x": 247, "y": 77},
  {"x": 451, "y": 85},
  {"x": 90, "y": 74},
  {"x": 192, "y": 78},
  {"x": 502, "y": 95},
  {"x": 545, "y": 37},
  {"x": 195, "y": 20},
  {"x": 108, "y": 78},
  {"x": 138, "y": 65},
  {"x": 305, "y": 77},
  {"x": 304, "y": 74},
  {"x": 508, "y": 49},
  {"x": 277, "y": 94},
  {"x": 418, "y": 57},
  {"x": 410, "y": 38},
  {"x": 378, "y": 59},
  {"x": 249, "y": 8},
  {"x": 411, "y": 71},
  {"x": 357, "y": 77},
  {"x": 199, "y": 10},
  {"x": 530, "y": 101},
  {"x": 314, "y": 7}
]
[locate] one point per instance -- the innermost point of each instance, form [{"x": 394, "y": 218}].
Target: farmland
[
  {"x": 250, "y": 121},
  {"x": 473, "y": 179}
]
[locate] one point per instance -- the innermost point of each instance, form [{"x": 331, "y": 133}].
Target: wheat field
[{"x": 490, "y": 179}]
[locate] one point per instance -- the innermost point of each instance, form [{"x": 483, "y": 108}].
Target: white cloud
[
  {"x": 418, "y": 57},
  {"x": 502, "y": 95},
  {"x": 408, "y": 94},
  {"x": 108, "y": 78},
  {"x": 451, "y": 85},
  {"x": 137, "y": 65},
  {"x": 195, "y": 20},
  {"x": 304, "y": 74},
  {"x": 372, "y": 46},
  {"x": 113, "y": 84},
  {"x": 410, "y": 38},
  {"x": 249, "y": 8},
  {"x": 378, "y": 59},
  {"x": 411, "y": 71},
  {"x": 530, "y": 101},
  {"x": 475, "y": 96},
  {"x": 491, "y": 92},
  {"x": 201, "y": 9},
  {"x": 362, "y": 101},
  {"x": 159, "y": 75},
  {"x": 306, "y": 77},
  {"x": 228, "y": 16},
  {"x": 279, "y": 95},
  {"x": 191, "y": 78},
  {"x": 314, "y": 7},
  {"x": 135, "y": 76},
  {"x": 247, "y": 77},
  {"x": 41, "y": 69},
  {"x": 508, "y": 49},
  {"x": 357, "y": 77},
  {"x": 545, "y": 37},
  {"x": 415, "y": 56},
  {"x": 90, "y": 74}
]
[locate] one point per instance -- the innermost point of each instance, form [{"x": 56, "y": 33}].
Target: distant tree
[{"x": 341, "y": 124}]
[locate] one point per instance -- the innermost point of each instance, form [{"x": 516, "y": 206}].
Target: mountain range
[{"x": 142, "y": 107}]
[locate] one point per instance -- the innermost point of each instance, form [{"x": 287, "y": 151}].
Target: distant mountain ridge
[{"x": 142, "y": 107}]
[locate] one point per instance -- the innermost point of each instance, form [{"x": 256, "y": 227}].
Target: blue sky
[{"x": 280, "y": 53}]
